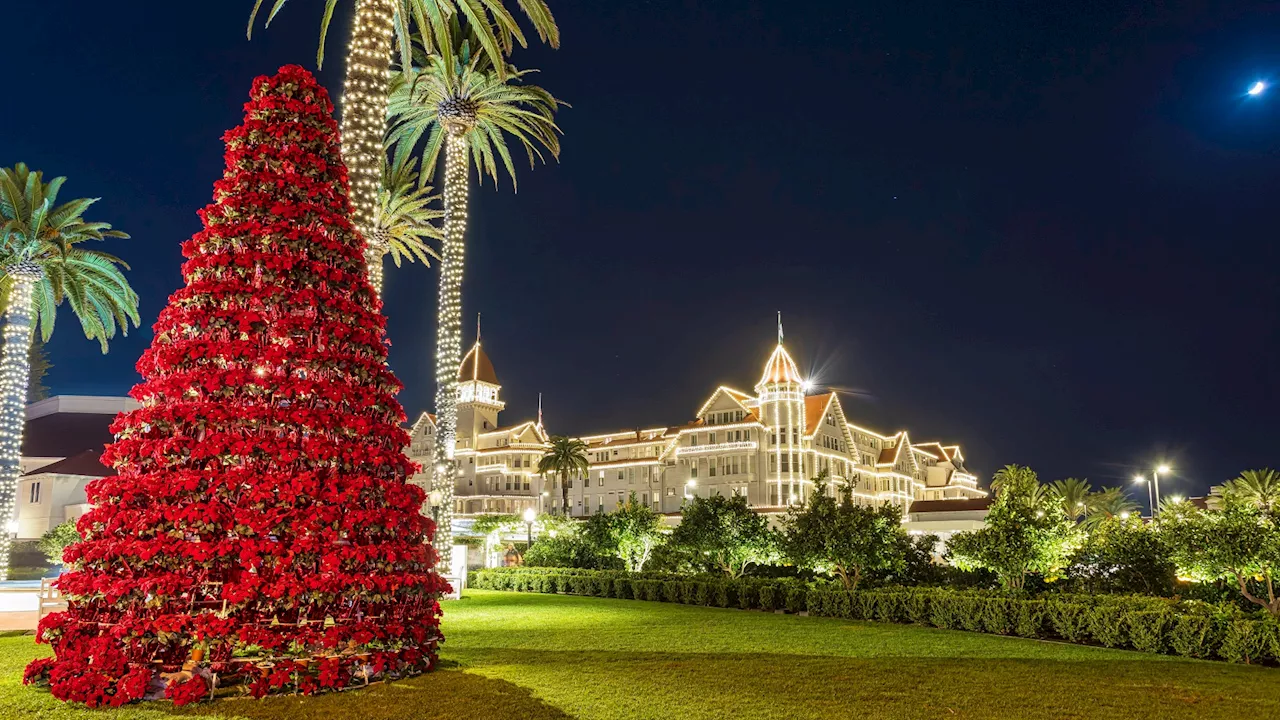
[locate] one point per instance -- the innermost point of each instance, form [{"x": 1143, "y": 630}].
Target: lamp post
[
  {"x": 1151, "y": 501},
  {"x": 529, "y": 516},
  {"x": 1153, "y": 488}
]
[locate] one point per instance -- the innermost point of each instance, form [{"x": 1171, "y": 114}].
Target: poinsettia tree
[{"x": 260, "y": 529}]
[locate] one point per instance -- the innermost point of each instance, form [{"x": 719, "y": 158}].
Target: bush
[{"x": 1158, "y": 625}]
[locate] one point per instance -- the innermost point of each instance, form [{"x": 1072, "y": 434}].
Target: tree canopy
[{"x": 724, "y": 534}]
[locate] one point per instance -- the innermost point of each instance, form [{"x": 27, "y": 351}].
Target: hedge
[{"x": 1149, "y": 624}]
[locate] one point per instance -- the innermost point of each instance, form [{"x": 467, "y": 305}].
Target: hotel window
[
  {"x": 711, "y": 468},
  {"x": 713, "y": 438},
  {"x": 526, "y": 484},
  {"x": 693, "y": 470},
  {"x": 35, "y": 493},
  {"x": 631, "y": 476},
  {"x": 644, "y": 498},
  {"x": 671, "y": 492},
  {"x": 586, "y": 503},
  {"x": 600, "y": 480},
  {"x": 600, "y": 507}
]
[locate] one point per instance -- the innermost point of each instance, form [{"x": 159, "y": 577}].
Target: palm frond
[
  {"x": 90, "y": 281},
  {"x": 506, "y": 109}
]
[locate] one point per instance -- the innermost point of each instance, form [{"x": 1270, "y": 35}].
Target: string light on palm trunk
[
  {"x": 364, "y": 117},
  {"x": 449, "y": 333},
  {"x": 15, "y": 369}
]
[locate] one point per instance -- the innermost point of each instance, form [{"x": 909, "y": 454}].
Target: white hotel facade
[{"x": 768, "y": 446}]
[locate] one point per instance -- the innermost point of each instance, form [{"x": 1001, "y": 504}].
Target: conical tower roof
[
  {"x": 477, "y": 366},
  {"x": 780, "y": 368}
]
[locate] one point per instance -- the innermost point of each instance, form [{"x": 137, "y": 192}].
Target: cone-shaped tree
[{"x": 261, "y": 511}]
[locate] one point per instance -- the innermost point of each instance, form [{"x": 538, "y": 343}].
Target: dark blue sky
[{"x": 1046, "y": 234}]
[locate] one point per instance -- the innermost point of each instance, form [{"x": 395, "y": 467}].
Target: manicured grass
[{"x": 511, "y": 655}]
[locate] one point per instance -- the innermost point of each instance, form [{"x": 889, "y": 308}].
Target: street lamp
[
  {"x": 529, "y": 516},
  {"x": 1151, "y": 499},
  {"x": 1153, "y": 488}
]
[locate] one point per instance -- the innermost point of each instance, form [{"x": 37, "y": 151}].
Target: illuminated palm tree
[
  {"x": 1014, "y": 478},
  {"x": 1107, "y": 504},
  {"x": 1074, "y": 494},
  {"x": 43, "y": 266},
  {"x": 468, "y": 110},
  {"x": 403, "y": 225},
  {"x": 1260, "y": 488},
  {"x": 566, "y": 457},
  {"x": 379, "y": 25}
]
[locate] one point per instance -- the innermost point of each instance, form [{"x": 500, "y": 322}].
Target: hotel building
[{"x": 768, "y": 446}]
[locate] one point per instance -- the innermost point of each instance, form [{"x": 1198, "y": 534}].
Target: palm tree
[
  {"x": 1107, "y": 504},
  {"x": 1260, "y": 488},
  {"x": 469, "y": 109},
  {"x": 566, "y": 457},
  {"x": 1074, "y": 494},
  {"x": 43, "y": 266},
  {"x": 1014, "y": 478},
  {"x": 403, "y": 225},
  {"x": 378, "y": 25}
]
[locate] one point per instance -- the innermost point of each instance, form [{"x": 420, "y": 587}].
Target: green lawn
[{"x": 512, "y": 655}]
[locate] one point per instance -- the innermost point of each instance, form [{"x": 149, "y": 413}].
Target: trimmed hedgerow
[{"x": 1155, "y": 625}]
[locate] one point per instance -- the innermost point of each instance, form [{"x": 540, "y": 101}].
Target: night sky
[{"x": 1045, "y": 234}]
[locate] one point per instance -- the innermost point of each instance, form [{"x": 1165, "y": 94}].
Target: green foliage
[
  {"x": 1239, "y": 542},
  {"x": 34, "y": 228},
  {"x": 629, "y": 533},
  {"x": 566, "y": 457},
  {"x": 1027, "y": 532},
  {"x": 1123, "y": 556},
  {"x": 404, "y": 223},
  {"x": 723, "y": 534},
  {"x": 1157, "y": 625},
  {"x": 841, "y": 538},
  {"x": 503, "y": 107},
  {"x": 429, "y": 21},
  {"x": 1259, "y": 488},
  {"x": 57, "y": 539},
  {"x": 1074, "y": 494},
  {"x": 485, "y": 524},
  {"x": 1109, "y": 504}
]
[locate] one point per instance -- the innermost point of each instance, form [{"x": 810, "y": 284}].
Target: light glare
[{"x": 1257, "y": 88}]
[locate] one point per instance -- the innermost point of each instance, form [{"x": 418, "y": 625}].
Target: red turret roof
[
  {"x": 476, "y": 366},
  {"x": 780, "y": 368}
]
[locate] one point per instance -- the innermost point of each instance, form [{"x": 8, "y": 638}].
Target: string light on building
[{"x": 15, "y": 370}]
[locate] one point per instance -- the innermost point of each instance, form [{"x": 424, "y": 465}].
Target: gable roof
[
  {"x": 87, "y": 463},
  {"x": 735, "y": 395},
  {"x": 934, "y": 450},
  {"x": 815, "y": 408},
  {"x": 477, "y": 366}
]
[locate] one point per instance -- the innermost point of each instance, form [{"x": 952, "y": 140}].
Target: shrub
[{"x": 1188, "y": 628}]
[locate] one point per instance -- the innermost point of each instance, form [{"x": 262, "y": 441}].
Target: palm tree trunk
[
  {"x": 15, "y": 370},
  {"x": 364, "y": 119},
  {"x": 449, "y": 335},
  {"x": 564, "y": 493}
]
